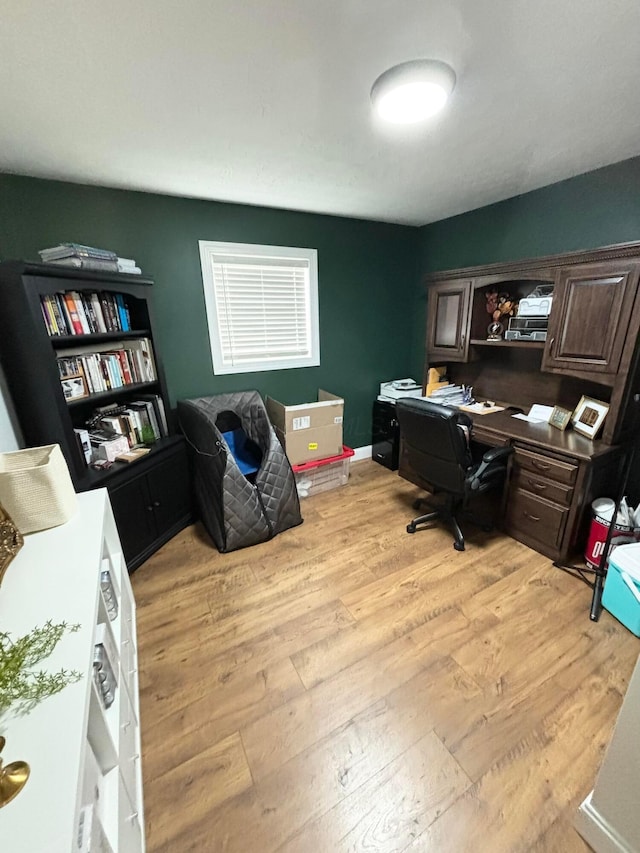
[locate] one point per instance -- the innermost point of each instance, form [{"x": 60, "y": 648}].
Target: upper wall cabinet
[
  {"x": 448, "y": 321},
  {"x": 591, "y": 310}
]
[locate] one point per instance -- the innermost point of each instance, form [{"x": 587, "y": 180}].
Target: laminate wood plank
[
  {"x": 240, "y": 627},
  {"x": 206, "y": 666},
  {"x": 561, "y": 836},
  {"x": 283, "y": 733},
  {"x": 201, "y": 783},
  {"x": 392, "y": 808},
  {"x": 525, "y": 796},
  {"x": 398, "y": 639},
  {"x": 186, "y": 722},
  {"x": 401, "y": 614},
  {"x": 302, "y": 789}
]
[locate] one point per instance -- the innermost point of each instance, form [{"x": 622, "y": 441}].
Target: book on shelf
[
  {"x": 158, "y": 406},
  {"x": 130, "y": 418},
  {"x": 143, "y": 411},
  {"x": 97, "y": 312},
  {"x": 76, "y": 250},
  {"x": 151, "y": 415},
  {"x": 123, "y": 314},
  {"x": 84, "y": 443},
  {"x": 91, "y": 264},
  {"x": 59, "y": 315},
  {"x": 133, "y": 455},
  {"x": 73, "y": 314},
  {"x": 82, "y": 316},
  {"x": 129, "y": 266},
  {"x": 86, "y": 313},
  {"x": 112, "y": 365}
]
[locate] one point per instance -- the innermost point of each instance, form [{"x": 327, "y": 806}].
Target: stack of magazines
[{"x": 88, "y": 258}]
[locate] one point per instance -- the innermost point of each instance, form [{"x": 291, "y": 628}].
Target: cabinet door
[
  {"x": 170, "y": 492},
  {"x": 448, "y": 321},
  {"x": 590, "y": 315},
  {"x": 134, "y": 515}
]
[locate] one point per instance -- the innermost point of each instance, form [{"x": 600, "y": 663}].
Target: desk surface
[{"x": 501, "y": 425}]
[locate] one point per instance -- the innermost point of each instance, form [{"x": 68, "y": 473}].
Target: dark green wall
[
  {"x": 367, "y": 278},
  {"x": 592, "y": 210},
  {"x": 372, "y": 302},
  {"x": 585, "y": 212}
]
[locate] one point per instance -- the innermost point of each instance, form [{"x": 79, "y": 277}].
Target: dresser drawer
[
  {"x": 535, "y": 518},
  {"x": 528, "y": 481},
  {"x": 547, "y": 466}
]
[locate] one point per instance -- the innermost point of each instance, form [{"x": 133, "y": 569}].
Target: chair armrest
[
  {"x": 496, "y": 453},
  {"x": 492, "y": 465}
]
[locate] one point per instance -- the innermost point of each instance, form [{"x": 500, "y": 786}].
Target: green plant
[{"x": 22, "y": 687}]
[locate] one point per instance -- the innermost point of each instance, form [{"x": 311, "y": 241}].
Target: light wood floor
[{"x": 349, "y": 687}]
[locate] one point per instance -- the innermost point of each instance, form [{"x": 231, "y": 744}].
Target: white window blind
[{"x": 262, "y": 306}]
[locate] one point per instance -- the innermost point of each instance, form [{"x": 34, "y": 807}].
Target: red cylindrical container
[
  {"x": 598, "y": 531},
  {"x": 596, "y": 541}
]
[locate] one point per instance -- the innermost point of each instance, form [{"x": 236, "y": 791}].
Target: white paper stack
[{"x": 452, "y": 395}]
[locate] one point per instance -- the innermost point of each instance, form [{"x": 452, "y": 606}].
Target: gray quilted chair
[{"x": 238, "y": 510}]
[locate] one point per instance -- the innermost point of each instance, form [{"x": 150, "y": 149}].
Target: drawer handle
[
  {"x": 156, "y": 503},
  {"x": 133, "y": 817},
  {"x": 532, "y": 517},
  {"x": 540, "y": 487},
  {"x": 539, "y": 465}
]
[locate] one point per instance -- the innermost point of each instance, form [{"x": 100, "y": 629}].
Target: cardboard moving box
[{"x": 310, "y": 430}]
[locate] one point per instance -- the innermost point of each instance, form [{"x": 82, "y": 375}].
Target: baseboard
[
  {"x": 599, "y": 834},
  {"x": 362, "y": 453}
]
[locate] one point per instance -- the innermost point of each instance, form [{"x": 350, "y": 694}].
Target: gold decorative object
[
  {"x": 10, "y": 541},
  {"x": 13, "y": 778}
]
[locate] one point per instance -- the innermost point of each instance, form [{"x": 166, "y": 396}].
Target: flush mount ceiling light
[{"x": 413, "y": 91}]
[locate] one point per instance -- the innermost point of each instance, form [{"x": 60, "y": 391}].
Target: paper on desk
[{"x": 537, "y": 414}]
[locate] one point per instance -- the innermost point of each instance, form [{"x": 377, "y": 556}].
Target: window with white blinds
[{"x": 262, "y": 306}]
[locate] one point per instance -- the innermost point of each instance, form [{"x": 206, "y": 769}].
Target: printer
[{"x": 532, "y": 320}]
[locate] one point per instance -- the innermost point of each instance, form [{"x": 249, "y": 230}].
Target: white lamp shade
[{"x": 413, "y": 91}]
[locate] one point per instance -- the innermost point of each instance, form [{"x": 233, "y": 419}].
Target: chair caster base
[
  {"x": 411, "y": 528},
  {"x": 459, "y": 546}
]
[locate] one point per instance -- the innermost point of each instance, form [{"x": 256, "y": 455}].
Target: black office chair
[{"x": 436, "y": 441}]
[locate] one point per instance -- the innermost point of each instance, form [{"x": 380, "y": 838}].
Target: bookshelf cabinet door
[
  {"x": 134, "y": 514},
  {"x": 170, "y": 491},
  {"x": 154, "y": 505}
]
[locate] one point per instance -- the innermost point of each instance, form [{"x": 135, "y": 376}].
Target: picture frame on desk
[
  {"x": 74, "y": 387},
  {"x": 588, "y": 416},
  {"x": 560, "y": 418}
]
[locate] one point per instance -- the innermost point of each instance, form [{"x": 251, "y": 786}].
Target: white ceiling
[{"x": 268, "y": 102}]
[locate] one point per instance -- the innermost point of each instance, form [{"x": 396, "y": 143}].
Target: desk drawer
[
  {"x": 488, "y": 437},
  {"x": 535, "y": 518},
  {"x": 547, "y": 466},
  {"x": 527, "y": 481}
]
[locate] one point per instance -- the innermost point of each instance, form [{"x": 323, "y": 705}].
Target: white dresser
[{"x": 79, "y": 753}]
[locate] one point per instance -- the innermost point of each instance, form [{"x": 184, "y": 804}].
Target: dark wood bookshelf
[
  {"x": 70, "y": 341},
  {"x": 150, "y": 497},
  {"x": 114, "y": 393}
]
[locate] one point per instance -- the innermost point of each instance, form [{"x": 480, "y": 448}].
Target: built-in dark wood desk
[
  {"x": 553, "y": 477},
  {"x": 500, "y": 428}
]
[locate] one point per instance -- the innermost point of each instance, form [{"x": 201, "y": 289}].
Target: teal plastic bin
[{"x": 621, "y": 594}]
